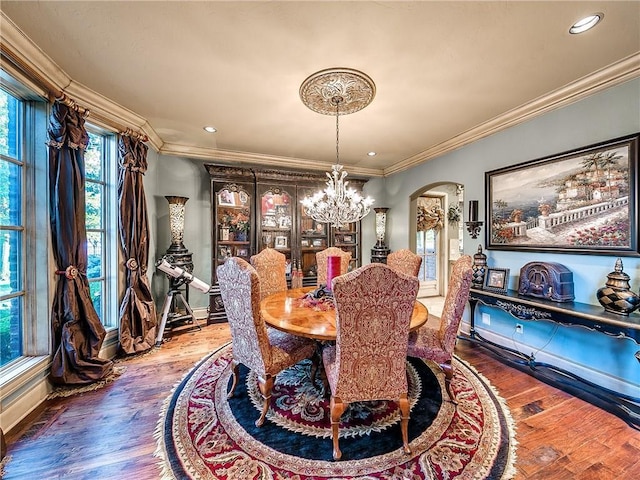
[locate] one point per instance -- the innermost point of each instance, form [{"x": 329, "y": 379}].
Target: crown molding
[
  {"x": 264, "y": 160},
  {"x": 609, "y": 76}
]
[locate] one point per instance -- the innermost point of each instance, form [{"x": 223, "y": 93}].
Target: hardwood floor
[{"x": 109, "y": 433}]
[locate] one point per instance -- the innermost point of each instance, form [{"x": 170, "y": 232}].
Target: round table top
[{"x": 283, "y": 311}]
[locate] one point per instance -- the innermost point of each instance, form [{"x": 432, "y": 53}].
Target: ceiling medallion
[{"x": 354, "y": 87}]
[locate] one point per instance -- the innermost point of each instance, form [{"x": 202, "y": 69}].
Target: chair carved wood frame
[
  {"x": 321, "y": 261},
  {"x": 438, "y": 344},
  {"x": 374, "y": 305},
  {"x": 264, "y": 351}
]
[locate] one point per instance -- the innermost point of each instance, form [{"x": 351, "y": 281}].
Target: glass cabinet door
[
  {"x": 276, "y": 221},
  {"x": 346, "y": 238},
  {"x": 232, "y": 214},
  {"x": 314, "y": 236}
]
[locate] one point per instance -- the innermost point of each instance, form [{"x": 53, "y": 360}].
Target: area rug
[{"x": 201, "y": 434}]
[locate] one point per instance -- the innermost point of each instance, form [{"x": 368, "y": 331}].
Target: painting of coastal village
[{"x": 578, "y": 202}]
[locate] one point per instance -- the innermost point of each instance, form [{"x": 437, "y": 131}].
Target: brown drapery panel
[
  {"x": 77, "y": 331},
  {"x": 138, "y": 322}
]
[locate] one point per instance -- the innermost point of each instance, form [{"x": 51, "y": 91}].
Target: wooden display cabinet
[{"x": 254, "y": 208}]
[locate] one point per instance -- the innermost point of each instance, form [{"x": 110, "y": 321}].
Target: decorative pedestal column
[{"x": 380, "y": 250}]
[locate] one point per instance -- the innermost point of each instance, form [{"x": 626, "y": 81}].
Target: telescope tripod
[{"x": 169, "y": 311}]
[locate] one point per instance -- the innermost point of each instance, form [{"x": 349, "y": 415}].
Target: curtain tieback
[
  {"x": 133, "y": 167},
  {"x": 132, "y": 264},
  {"x": 70, "y": 272}
]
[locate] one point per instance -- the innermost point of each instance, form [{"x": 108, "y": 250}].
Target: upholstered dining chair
[
  {"x": 368, "y": 361},
  {"x": 271, "y": 267},
  {"x": 321, "y": 262},
  {"x": 265, "y": 352},
  {"x": 405, "y": 261},
  {"x": 437, "y": 344}
]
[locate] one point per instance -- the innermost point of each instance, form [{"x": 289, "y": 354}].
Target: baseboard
[
  {"x": 30, "y": 390},
  {"x": 201, "y": 313}
]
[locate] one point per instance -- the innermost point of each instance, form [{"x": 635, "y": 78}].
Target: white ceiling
[{"x": 446, "y": 73}]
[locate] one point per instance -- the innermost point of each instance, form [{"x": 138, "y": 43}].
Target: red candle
[{"x": 333, "y": 269}]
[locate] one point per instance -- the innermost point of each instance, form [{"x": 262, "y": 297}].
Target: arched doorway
[{"x": 436, "y": 233}]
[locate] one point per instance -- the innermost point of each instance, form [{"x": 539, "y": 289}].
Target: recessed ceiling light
[
  {"x": 210, "y": 129},
  {"x": 372, "y": 154},
  {"x": 586, "y": 23}
]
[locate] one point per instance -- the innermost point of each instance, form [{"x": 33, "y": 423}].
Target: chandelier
[{"x": 337, "y": 91}]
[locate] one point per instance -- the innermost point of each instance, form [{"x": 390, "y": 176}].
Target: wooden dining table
[{"x": 287, "y": 312}]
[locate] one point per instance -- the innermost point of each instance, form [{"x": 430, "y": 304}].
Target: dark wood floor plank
[{"x": 101, "y": 434}]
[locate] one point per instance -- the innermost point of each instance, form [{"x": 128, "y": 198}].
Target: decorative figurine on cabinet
[{"x": 616, "y": 296}]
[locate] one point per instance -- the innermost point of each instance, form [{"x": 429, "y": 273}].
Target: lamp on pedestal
[
  {"x": 180, "y": 256},
  {"x": 380, "y": 250}
]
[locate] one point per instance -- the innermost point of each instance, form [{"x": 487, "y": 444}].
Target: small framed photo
[
  {"x": 226, "y": 198},
  {"x": 304, "y": 242},
  {"x": 284, "y": 222},
  {"x": 496, "y": 280},
  {"x": 242, "y": 252},
  {"x": 269, "y": 221},
  {"x": 318, "y": 242},
  {"x": 224, "y": 252},
  {"x": 347, "y": 239},
  {"x": 281, "y": 242}
]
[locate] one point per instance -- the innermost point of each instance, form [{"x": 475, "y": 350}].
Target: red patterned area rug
[{"x": 203, "y": 435}]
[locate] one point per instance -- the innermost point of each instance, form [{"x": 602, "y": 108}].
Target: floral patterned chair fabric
[
  {"x": 321, "y": 261},
  {"x": 266, "y": 352},
  {"x": 405, "y": 261},
  {"x": 271, "y": 266},
  {"x": 438, "y": 344},
  {"x": 368, "y": 361}
]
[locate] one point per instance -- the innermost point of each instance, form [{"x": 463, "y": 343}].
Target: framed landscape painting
[{"x": 584, "y": 201}]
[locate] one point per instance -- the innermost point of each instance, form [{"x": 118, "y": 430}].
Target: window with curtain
[
  {"x": 24, "y": 326},
  {"x": 100, "y": 197}
]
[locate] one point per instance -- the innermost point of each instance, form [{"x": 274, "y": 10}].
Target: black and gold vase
[
  {"x": 616, "y": 296},
  {"x": 479, "y": 268}
]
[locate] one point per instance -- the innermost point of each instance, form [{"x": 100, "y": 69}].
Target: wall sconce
[
  {"x": 473, "y": 225},
  {"x": 380, "y": 250}
]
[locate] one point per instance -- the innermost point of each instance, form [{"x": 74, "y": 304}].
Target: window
[
  {"x": 24, "y": 225},
  {"x": 100, "y": 203},
  {"x": 427, "y": 248},
  {"x": 12, "y": 227}
]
